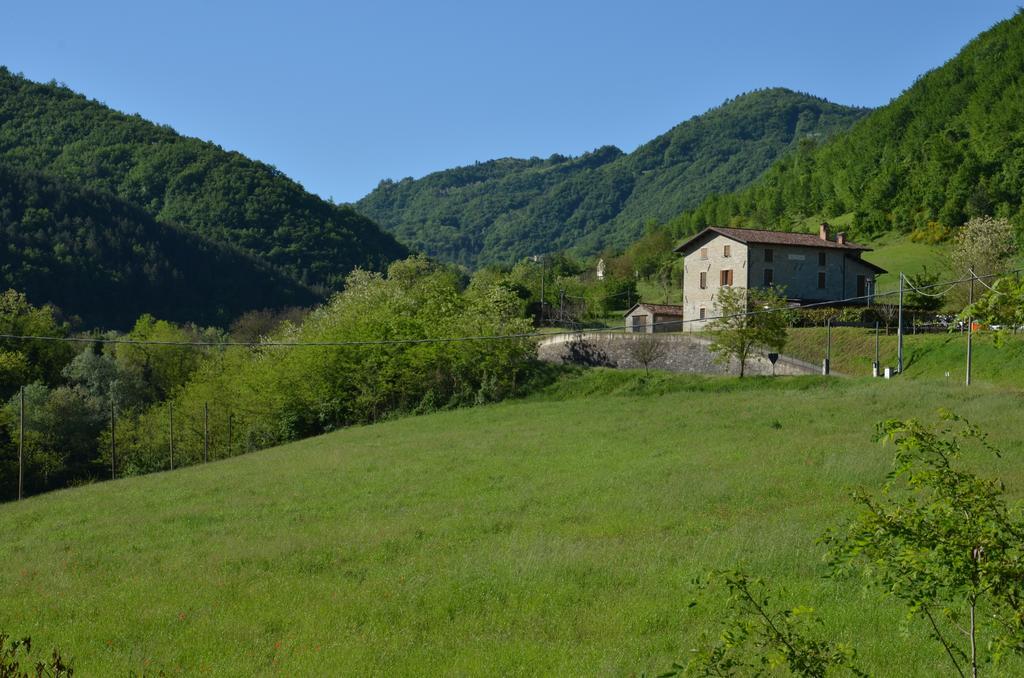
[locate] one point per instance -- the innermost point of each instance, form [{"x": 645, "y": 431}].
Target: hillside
[
  {"x": 502, "y": 210},
  {"x": 949, "y": 148},
  {"x": 222, "y": 196},
  {"x": 443, "y": 545},
  {"x": 108, "y": 262}
]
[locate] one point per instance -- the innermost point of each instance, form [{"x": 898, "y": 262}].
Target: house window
[
  {"x": 703, "y": 252},
  {"x": 639, "y": 323},
  {"x": 703, "y": 280},
  {"x": 862, "y": 285},
  {"x": 821, "y": 258},
  {"x": 703, "y": 313},
  {"x": 821, "y": 280},
  {"x": 727, "y": 251},
  {"x": 769, "y": 277},
  {"x": 769, "y": 256},
  {"x": 726, "y": 277}
]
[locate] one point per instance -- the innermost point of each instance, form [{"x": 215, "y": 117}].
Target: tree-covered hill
[
  {"x": 951, "y": 147},
  {"x": 108, "y": 262},
  {"x": 220, "y": 195},
  {"x": 505, "y": 209}
]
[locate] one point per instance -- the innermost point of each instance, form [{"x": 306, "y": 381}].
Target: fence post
[
  {"x": 21, "y": 441},
  {"x": 170, "y": 431},
  {"x": 206, "y": 432}
]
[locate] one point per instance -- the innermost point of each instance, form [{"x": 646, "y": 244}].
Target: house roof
[
  {"x": 750, "y": 235},
  {"x": 658, "y": 309}
]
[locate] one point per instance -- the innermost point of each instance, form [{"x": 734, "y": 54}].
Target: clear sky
[{"x": 340, "y": 95}]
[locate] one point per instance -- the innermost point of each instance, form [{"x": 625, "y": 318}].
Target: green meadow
[{"x": 553, "y": 535}]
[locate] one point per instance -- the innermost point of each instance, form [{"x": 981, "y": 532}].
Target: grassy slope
[
  {"x": 927, "y": 356},
  {"x": 557, "y": 535}
]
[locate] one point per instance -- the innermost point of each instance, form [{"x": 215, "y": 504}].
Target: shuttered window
[
  {"x": 703, "y": 313},
  {"x": 821, "y": 258},
  {"x": 769, "y": 256},
  {"x": 726, "y": 277},
  {"x": 703, "y": 280},
  {"x": 769, "y": 277},
  {"x": 703, "y": 252},
  {"x": 727, "y": 251},
  {"x": 821, "y": 280}
]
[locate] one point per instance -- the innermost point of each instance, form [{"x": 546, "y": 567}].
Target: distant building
[
  {"x": 810, "y": 268},
  {"x": 654, "y": 318}
]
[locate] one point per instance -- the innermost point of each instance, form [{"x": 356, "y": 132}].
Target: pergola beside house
[
  {"x": 810, "y": 268},
  {"x": 654, "y": 318}
]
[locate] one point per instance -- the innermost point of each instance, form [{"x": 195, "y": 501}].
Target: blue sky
[{"x": 339, "y": 95}]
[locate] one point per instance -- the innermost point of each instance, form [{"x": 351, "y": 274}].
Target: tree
[
  {"x": 759, "y": 637},
  {"x": 647, "y": 349},
  {"x": 927, "y": 300},
  {"x": 1002, "y": 305},
  {"x": 748, "y": 319},
  {"x": 888, "y": 313},
  {"x": 984, "y": 245},
  {"x": 943, "y": 541}
]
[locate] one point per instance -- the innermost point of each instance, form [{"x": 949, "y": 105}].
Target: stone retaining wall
[{"x": 683, "y": 353}]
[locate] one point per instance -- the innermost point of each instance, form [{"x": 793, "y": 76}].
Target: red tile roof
[
  {"x": 659, "y": 309},
  {"x": 750, "y": 235}
]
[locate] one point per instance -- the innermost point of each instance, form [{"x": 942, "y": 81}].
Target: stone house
[
  {"x": 811, "y": 268},
  {"x": 654, "y": 318}
]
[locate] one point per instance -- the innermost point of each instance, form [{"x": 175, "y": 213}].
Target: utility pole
[
  {"x": 876, "y": 367},
  {"x": 542, "y": 267},
  {"x": 899, "y": 332},
  {"x": 170, "y": 431},
  {"x": 113, "y": 444},
  {"x": 827, "y": 363},
  {"x": 231, "y": 420},
  {"x": 21, "y": 441},
  {"x": 970, "y": 326},
  {"x": 206, "y": 432}
]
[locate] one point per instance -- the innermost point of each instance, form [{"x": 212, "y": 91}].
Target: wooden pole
[
  {"x": 113, "y": 444},
  {"x": 970, "y": 327},
  {"x": 206, "y": 432},
  {"x": 21, "y": 441},
  {"x": 170, "y": 431}
]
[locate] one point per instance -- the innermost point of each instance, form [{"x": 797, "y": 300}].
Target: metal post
[
  {"x": 876, "y": 366},
  {"x": 113, "y": 443},
  {"x": 21, "y": 441},
  {"x": 970, "y": 327},
  {"x": 899, "y": 332},
  {"x": 542, "y": 272},
  {"x": 206, "y": 432},
  {"x": 827, "y": 363},
  {"x": 170, "y": 431}
]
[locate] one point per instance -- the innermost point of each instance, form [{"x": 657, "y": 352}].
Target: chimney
[
  {"x": 841, "y": 238},
  {"x": 823, "y": 230}
]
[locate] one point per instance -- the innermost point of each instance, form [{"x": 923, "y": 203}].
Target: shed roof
[
  {"x": 751, "y": 235},
  {"x": 658, "y": 309}
]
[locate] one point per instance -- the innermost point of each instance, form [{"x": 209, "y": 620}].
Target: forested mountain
[
  {"x": 505, "y": 209},
  {"x": 222, "y": 196},
  {"x": 949, "y": 148},
  {"x": 107, "y": 261}
]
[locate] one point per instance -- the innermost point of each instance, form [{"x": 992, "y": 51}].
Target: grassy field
[
  {"x": 895, "y": 253},
  {"x": 557, "y": 535}
]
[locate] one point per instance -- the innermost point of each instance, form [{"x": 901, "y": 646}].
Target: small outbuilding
[{"x": 650, "y": 318}]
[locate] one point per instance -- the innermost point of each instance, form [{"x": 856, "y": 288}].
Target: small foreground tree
[
  {"x": 748, "y": 320},
  {"x": 943, "y": 541},
  {"x": 1001, "y": 305}
]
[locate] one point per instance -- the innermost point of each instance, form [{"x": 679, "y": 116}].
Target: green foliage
[
  {"x": 222, "y": 196},
  {"x": 503, "y": 210},
  {"x": 943, "y": 541},
  {"x": 946, "y": 150},
  {"x": 759, "y": 638},
  {"x": 928, "y": 299},
  {"x": 106, "y": 261},
  {"x": 746, "y": 320},
  {"x": 274, "y": 393},
  {"x": 14, "y": 654},
  {"x": 38, "y": 360},
  {"x": 1002, "y": 305}
]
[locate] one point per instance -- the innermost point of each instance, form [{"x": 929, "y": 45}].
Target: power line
[{"x": 446, "y": 340}]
